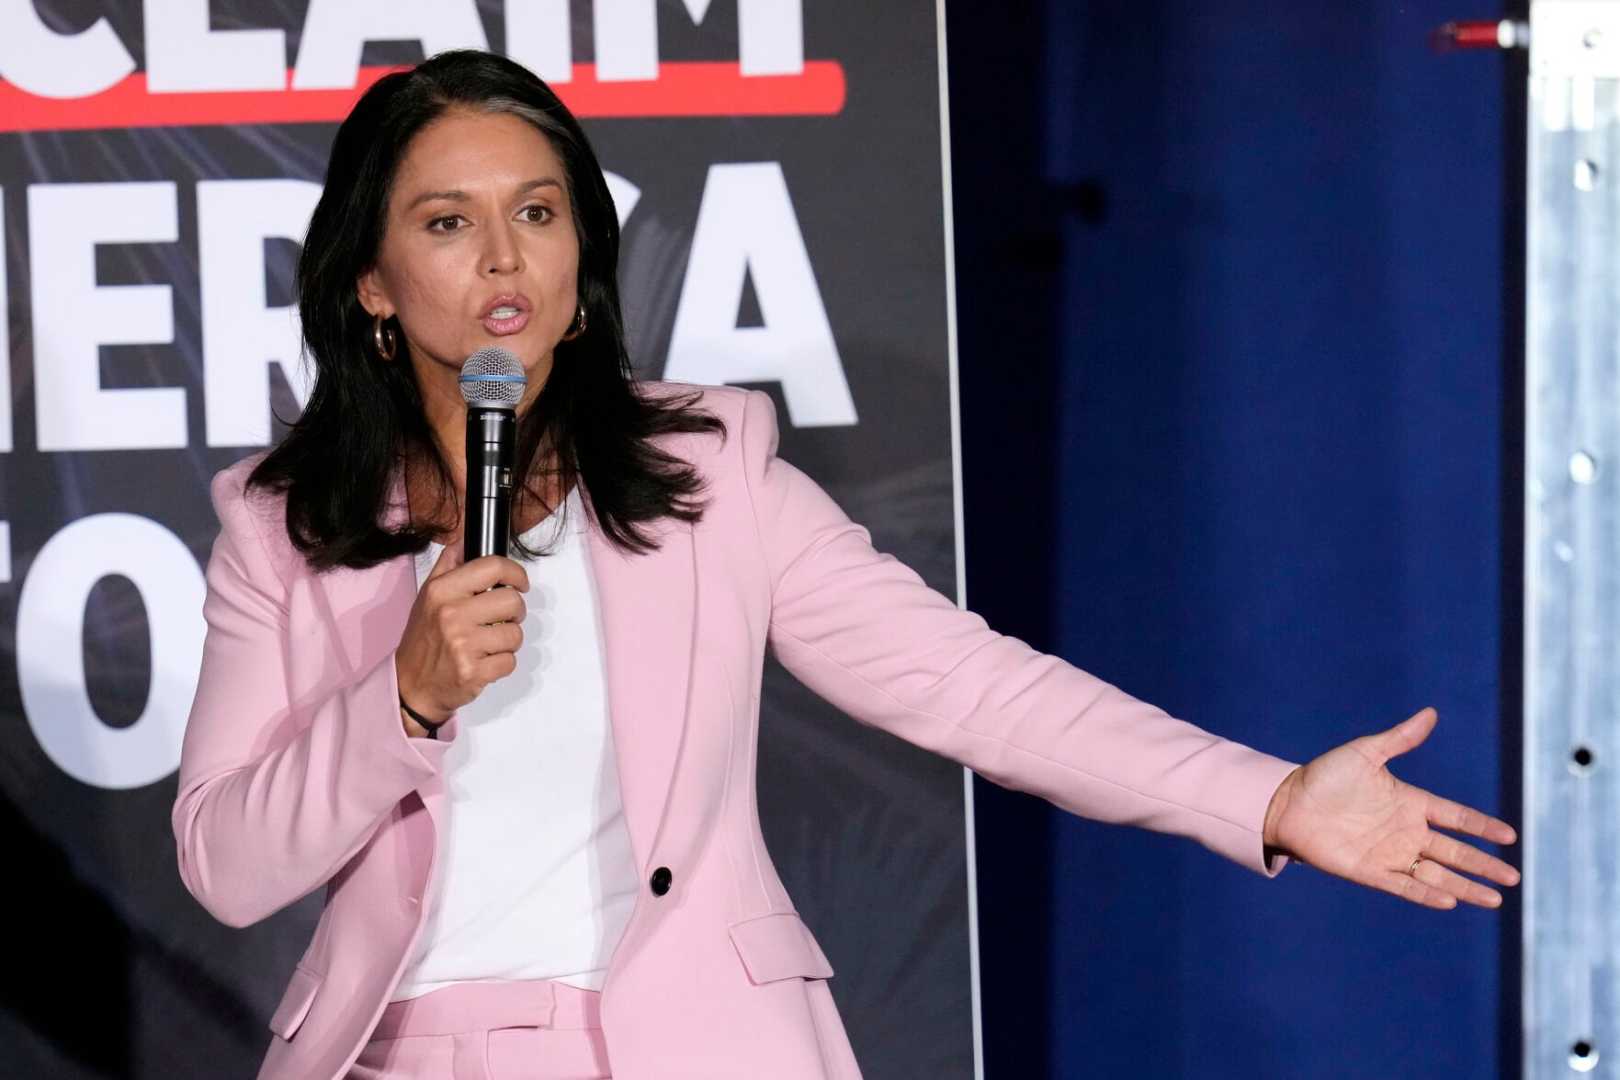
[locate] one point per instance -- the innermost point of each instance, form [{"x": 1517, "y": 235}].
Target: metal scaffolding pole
[{"x": 1571, "y": 1003}]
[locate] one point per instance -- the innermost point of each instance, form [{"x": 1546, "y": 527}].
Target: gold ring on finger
[{"x": 1411, "y": 871}]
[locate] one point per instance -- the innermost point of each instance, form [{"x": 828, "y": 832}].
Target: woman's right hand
[{"x": 462, "y": 634}]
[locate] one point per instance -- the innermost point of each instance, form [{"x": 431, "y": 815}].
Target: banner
[{"x": 777, "y": 168}]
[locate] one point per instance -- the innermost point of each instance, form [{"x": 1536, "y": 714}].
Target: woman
[{"x": 541, "y": 857}]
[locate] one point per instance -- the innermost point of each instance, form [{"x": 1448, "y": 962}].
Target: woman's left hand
[{"x": 1345, "y": 813}]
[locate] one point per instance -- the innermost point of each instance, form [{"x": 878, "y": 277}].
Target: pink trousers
[{"x": 537, "y": 1030}]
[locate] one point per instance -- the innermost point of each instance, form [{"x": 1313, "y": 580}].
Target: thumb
[
  {"x": 1408, "y": 734},
  {"x": 449, "y": 559}
]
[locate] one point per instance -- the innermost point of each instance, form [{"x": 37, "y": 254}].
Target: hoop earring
[
  {"x": 577, "y": 327},
  {"x": 384, "y": 338}
]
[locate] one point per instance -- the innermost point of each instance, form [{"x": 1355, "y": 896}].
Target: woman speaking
[{"x": 532, "y": 806}]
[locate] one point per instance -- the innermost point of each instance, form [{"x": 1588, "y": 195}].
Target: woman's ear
[{"x": 371, "y": 294}]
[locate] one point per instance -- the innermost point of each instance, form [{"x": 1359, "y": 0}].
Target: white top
[{"x": 535, "y": 875}]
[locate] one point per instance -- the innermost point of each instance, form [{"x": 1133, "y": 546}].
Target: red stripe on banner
[{"x": 687, "y": 88}]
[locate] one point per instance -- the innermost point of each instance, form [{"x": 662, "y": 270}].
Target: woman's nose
[{"x": 502, "y": 255}]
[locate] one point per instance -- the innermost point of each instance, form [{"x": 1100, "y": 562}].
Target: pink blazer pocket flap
[
  {"x": 295, "y": 1002},
  {"x": 779, "y": 946}
]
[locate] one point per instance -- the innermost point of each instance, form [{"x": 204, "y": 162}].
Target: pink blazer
[{"x": 296, "y": 773}]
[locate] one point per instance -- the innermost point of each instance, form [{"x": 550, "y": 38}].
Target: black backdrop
[{"x": 119, "y": 972}]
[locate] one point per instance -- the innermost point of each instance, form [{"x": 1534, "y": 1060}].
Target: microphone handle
[{"x": 489, "y": 481}]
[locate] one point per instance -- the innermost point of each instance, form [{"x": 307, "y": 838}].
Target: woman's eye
[
  {"x": 445, "y": 224},
  {"x": 537, "y": 215}
]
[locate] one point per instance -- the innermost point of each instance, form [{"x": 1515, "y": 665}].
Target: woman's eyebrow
[
  {"x": 544, "y": 181},
  {"x": 461, "y": 196}
]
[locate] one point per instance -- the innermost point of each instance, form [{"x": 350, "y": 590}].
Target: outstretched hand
[{"x": 1345, "y": 813}]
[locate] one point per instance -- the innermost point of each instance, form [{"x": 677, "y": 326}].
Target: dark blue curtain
[{"x": 1237, "y": 377}]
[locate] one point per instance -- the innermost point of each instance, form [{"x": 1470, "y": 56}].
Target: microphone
[{"x": 492, "y": 383}]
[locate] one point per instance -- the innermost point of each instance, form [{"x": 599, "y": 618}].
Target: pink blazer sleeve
[
  {"x": 275, "y": 795},
  {"x": 864, "y": 632}
]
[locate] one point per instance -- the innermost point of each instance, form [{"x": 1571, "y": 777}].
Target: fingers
[
  {"x": 496, "y": 605},
  {"x": 1464, "y": 819},
  {"x": 448, "y": 560},
  {"x": 504, "y": 637},
  {"x": 1469, "y": 859},
  {"x": 1418, "y": 892},
  {"x": 493, "y": 570},
  {"x": 479, "y": 576},
  {"x": 1436, "y": 876},
  {"x": 1434, "y": 886},
  {"x": 1435, "y": 883},
  {"x": 463, "y": 632},
  {"x": 496, "y": 666},
  {"x": 1408, "y": 734}
]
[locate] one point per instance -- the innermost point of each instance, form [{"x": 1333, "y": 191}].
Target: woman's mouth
[{"x": 505, "y": 319}]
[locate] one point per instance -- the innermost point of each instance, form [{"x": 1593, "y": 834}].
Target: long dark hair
[{"x": 364, "y": 418}]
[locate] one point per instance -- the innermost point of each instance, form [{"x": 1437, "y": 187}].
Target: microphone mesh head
[{"x": 492, "y": 378}]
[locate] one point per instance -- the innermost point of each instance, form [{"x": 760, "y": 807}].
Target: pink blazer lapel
[
  {"x": 647, "y": 608},
  {"x": 370, "y": 607}
]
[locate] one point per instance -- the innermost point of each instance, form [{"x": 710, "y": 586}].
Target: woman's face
[{"x": 478, "y": 248}]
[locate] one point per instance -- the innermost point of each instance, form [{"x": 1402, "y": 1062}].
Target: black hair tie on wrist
[{"x": 432, "y": 726}]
